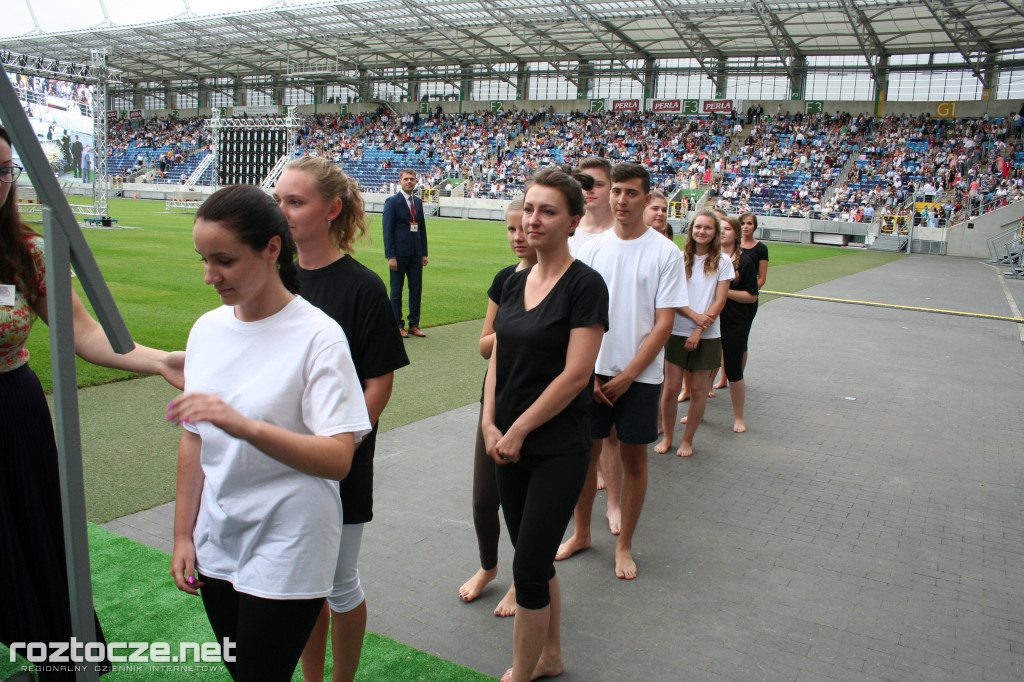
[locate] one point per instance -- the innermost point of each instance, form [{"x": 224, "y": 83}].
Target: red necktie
[{"x": 412, "y": 209}]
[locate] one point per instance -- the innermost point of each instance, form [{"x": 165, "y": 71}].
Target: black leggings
[
  {"x": 538, "y": 494},
  {"x": 733, "y": 348},
  {"x": 485, "y": 504},
  {"x": 268, "y": 634}
]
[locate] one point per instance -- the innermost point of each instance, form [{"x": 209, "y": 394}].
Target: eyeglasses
[{"x": 10, "y": 173}]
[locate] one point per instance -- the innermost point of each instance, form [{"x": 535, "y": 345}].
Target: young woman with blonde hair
[{"x": 325, "y": 216}]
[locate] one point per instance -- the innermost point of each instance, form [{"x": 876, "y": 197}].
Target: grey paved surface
[{"x": 879, "y": 538}]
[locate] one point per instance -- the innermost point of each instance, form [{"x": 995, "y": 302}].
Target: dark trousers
[
  {"x": 538, "y": 495},
  {"x": 410, "y": 267},
  {"x": 268, "y": 634},
  {"x": 485, "y": 504}
]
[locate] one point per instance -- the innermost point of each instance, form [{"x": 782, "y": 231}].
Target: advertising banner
[
  {"x": 626, "y": 105},
  {"x": 716, "y": 106}
]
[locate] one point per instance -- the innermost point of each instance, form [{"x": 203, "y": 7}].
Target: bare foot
[
  {"x": 683, "y": 397},
  {"x": 685, "y": 449},
  {"x": 614, "y": 520},
  {"x": 683, "y": 420},
  {"x": 625, "y": 567},
  {"x": 662, "y": 447},
  {"x": 571, "y": 546},
  {"x": 544, "y": 668},
  {"x": 600, "y": 480},
  {"x": 738, "y": 426},
  {"x": 507, "y": 606},
  {"x": 721, "y": 383},
  {"x": 548, "y": 668},
  {"x": 475, "y": 585},
  {"x": 711, "y": 394}
]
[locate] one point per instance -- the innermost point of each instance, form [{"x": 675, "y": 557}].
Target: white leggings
[{"x": 347, "y": 592}]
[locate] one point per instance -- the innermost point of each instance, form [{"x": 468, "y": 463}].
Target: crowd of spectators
[
  {"x": 786, "y": 164},
  {"x": 777, "y": 165}
]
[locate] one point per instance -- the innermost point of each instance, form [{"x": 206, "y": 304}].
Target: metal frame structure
[
  {"x": 290, "y": 122},
  {"x": 66, "y": 247},
  {"x": 95, "y": 73},
  {"x": 404, "y": 42}
]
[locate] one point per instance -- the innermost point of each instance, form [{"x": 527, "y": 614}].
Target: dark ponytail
[{"x": 254, "y": 216}]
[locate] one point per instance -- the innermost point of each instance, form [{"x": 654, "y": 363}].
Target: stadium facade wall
[{"x": 942, "y": 109}]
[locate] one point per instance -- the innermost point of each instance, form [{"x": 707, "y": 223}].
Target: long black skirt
[{"x": 34, "y": 603}]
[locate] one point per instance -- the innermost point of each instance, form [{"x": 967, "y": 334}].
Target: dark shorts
[
  {"x": 634, "y": 415},
  {"x": 707, "y": 354}
]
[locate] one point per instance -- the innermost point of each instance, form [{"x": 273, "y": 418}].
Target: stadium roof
[{"x": 332, "y": 41}]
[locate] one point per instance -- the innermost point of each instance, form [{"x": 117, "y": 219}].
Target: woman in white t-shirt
[
  {"x": 695, "y": 348},
  {"x": 272, "y": 412}
]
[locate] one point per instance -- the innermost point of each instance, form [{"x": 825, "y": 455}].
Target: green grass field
[{"x": 157, "y": 279}]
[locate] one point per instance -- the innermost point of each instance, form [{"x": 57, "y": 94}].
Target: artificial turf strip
[
  {"x": 156, "y": 277},
  {"x": 9, "y": 669},
  {"x": 137, "y": 601}
]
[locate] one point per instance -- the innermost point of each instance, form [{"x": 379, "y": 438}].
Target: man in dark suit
[
  {"x": 405, "y": 247},
  {"x": 76, "y": 157}
]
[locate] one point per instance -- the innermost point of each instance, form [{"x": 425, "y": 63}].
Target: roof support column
[
  {"x": 584, "y": 73},
  {"x": 170, "y": 96},
  {"x": 722, "y": 76},
  {"x": 881, "y": 82},
  {"x": 365, "y": 90},
  {"x": 798, "y": 85},
  {"x": 522, "y": 81},
  {"x": 650, "y": 78},
  {"x": 240, "y": 93},
  {"x": 277, "y": 90},
  {"x": 413, "y": 85},
  {"x": 203, "y": 94},
  {"x": 466, "y": 82},
  {"x": 991, "y": 73},
  {"x": 138, "y": 96}
]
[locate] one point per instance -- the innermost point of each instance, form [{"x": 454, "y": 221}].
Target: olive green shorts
[{"x": 707, "y": 354}]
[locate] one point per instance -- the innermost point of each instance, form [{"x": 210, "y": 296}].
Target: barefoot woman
[
  {"x": 695, "y": 347},
  {"x": 736, "y": 317},
  {"x": 536, "y": 410},
  {"x": 485, "y": 486}
]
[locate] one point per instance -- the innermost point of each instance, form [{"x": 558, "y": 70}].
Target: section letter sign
[
  {"x": 717, "y": 106},
  {"x": 667, "y": 106},
  {"x": 626, "y": 105}
]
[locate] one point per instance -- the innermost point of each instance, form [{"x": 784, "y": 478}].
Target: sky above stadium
[{"x": 50, "y": 16}]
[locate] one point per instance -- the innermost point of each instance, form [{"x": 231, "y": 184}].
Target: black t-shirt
[
  {"x": 355, "y": 297},
  {"x": 531, "y": 350},
  {"x": 735, "y": 315},
  {"x": 758, "y": 252},
  {"x": 494, "y": 293}
]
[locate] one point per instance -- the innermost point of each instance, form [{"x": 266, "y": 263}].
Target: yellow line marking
[{"x": 875, "y": 304}]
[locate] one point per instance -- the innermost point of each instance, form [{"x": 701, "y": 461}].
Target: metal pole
[{"x": 69, "y": 437}]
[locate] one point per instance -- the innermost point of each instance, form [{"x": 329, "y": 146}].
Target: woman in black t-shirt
[
  {"x": 736, "y": 317},
  {"x": 537, "y": 397},
  {"x": 325, "y": 216},
  {"x": 485, "y": 486}
]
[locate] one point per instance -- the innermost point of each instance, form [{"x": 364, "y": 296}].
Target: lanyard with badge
[
  {"x": 413, "y": 225},
  {"x": 6, "y": 294}
]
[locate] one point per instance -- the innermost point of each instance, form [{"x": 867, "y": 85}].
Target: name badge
[
  {"x": 7, "y": 294},
  {"x": 414, "y": 227}
]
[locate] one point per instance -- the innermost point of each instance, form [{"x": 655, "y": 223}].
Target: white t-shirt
[
  {"x": 268, "y": 529},
  {"x": 700, "y": 289},
  {"x": 642, "y": 274},
  {"x": 579, "y": 238}
]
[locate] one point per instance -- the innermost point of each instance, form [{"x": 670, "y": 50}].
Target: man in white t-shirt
[
  {"x": 596, "y": 221},
  {"x": 644, "y": 274},
  {"x": 598, "y": 218}
]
